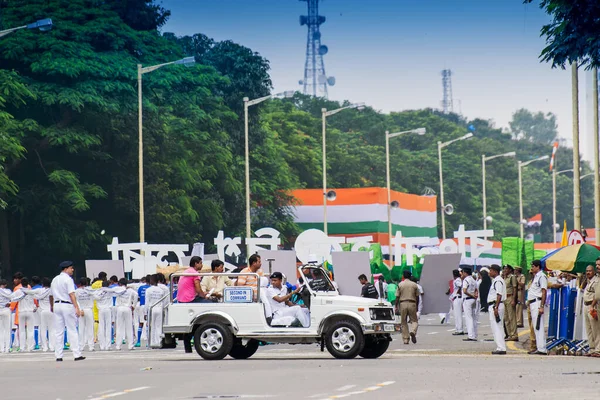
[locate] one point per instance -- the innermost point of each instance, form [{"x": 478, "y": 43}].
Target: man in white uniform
[
  {"x": 126, "y": 300},
  {"x": 5, "y": 320},
  {"x": 469, "y": 298},
  {"x": 86, "y": 321},
  {"x": 104, "y": 302},
  {"x": 280, "y": 301},
  {"x": 457, "y": 303},
  {"x": 43, "y": 296},
  {"x": 27, "y": 308},
  {"x": 153, "y": 296},
  {"x": 536, "y": 298},
  {"x": 66, "y": 311},
  {"x": 495, "y": 300}
]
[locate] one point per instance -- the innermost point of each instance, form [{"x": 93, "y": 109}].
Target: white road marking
[
  {"x": 432, "y": 333},
  {"x": 344, "y": 388},
  {"x": 115, "y": 394},
  {"x": 372, "y": 388},
  {"x": 387, "y": 383},
  {"x": 451, "y": 330}
]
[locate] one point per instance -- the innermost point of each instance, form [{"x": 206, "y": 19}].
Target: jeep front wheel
[
  {"x": 241, "y": 352},
  {"x": 375, "y": 346},
  {"x": 344, "y": 339},
  {"x": 213, "y": 341}
]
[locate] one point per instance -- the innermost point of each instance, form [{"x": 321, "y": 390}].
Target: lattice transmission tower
[
  {"x": 315, "y": 80},
  {"x": 447, "y": 100}
]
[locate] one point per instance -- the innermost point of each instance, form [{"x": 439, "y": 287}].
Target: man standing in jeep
[{"x": 368, "y": 289}]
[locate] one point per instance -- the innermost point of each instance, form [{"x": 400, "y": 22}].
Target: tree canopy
[{"x": 534, "y": 127}]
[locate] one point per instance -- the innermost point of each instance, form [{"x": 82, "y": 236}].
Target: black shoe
[
  {"x": 59, "y": 359},
  {"x": 469, "y": 340},
  {"x": 498, "y": 352},
  {"x": 539, "y": 353},
  {"x": 413, "y": 337},
  {"x": 443, "y": 320},
  {"x": 458, "y": 333},
  {"x": 532, "y": 352},
  {"x": 80, "y": 358},
  {"x": 188, "y": 351}
]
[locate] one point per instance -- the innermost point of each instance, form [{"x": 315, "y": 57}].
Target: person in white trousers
[
  {"x": 27, "y": 308},
  {"x": 104, "y": 302},
  {"x": 66, "y": 311},
  {"x": 457, "y": 303},
  {"x": 125, "y": 303},
  {"x": 86, "y": 321},
  {"x": 5, "y": 320},
  {"x": 469, "y": 298},
  {"x": 153, "y": 296},
  {"x": 46, "y": 331},
  {"x": 536, "y": 298},
  {"x": 495, "y": 300}
]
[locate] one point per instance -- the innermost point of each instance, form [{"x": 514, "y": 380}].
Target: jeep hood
[{"x": 353, "y": 301}]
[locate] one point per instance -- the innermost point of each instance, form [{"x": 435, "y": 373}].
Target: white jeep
[{"x": 348, "y": 326}]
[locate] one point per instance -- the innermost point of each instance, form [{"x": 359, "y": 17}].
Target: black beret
[
  {"x": 276, "y": 275},
  {"x": 66, "y": 264}
]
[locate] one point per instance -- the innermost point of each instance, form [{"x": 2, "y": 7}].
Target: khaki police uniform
[
  {"x": 520, "y": 299},
  {"x": 510, "y": 320},
  {"x": 592, "y": 326},
  {"x": 407, "y": 296}
]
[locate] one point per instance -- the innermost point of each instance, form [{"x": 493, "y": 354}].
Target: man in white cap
[{"x": 66, "y": 311}]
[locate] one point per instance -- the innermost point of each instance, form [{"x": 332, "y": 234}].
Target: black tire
[
  {"x": 375, "y": 347},
  {"x": 240, "y": 352},
  {"x": 213, "y": 341},
  {"x": 344, "y": 339}
]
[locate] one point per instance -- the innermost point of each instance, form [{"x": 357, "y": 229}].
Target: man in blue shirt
[{"x": 141, "y": 310}]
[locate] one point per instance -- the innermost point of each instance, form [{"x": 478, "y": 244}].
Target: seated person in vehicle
[
  {"x": 213, "y": 285},
  {"x": 279, "y": 299}
]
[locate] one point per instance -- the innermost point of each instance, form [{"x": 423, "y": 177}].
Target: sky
[{"x": 389, "y": 53}]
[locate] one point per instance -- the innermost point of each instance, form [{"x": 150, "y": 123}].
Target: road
[{"x": 437, "y": 364}]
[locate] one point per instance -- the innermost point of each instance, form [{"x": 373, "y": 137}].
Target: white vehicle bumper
[{"x": 381, "y": 327}]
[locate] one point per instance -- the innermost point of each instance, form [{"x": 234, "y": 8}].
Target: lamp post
[
  {"x": 521, "y": 165},
  {"x": 483, "y": 161},
  {"x": 326, "y": 114},
  {"x": 596, "y": 156},
  {"x": 43, "y": 25},
  {"x": 440, "y": 147},
  {"x": 555, "y": 173},
  {"x": 141, "y": 71},
  {"x": 248, "y": 103},
  {"x": 388, "y": 136}
]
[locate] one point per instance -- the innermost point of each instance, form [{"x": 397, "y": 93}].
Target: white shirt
[
  {"x": 385, "y": 288},
  {"x": 126, "y": 297},
  {"x": 457, "y": 290},
  {"x": 470, "y": 285},
  {"x": 42, "y": 295},
  {"x": 84, "y": 298},
  {"x": 163, "y": 287},
  {"x": 273, "y": 292},
  {"x": 25, "y": 300},
  {"x": 497, "y": 288},
  {"x": 104, "y": 298},
  {"x": 153, "y": 296},
  {"x": 5, "y": 297},
  {"x": 62, "y": 285},
  {"x": 535, "y": 290}
]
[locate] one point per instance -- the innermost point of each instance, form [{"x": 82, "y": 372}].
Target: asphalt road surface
[{"x": 438, "y": 366}]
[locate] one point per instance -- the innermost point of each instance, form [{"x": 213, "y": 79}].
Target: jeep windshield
[{"x": 316, "y": 278}]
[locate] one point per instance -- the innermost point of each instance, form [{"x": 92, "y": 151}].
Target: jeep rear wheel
[
  {"x": 375, "y": 346},
  {"x": 213, "y": 341},
  {"x": 344, "y": 339},
  {"x": 241, "y": 352}
]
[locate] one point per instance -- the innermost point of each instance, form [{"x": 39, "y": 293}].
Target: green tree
[{"x": 534, "y": 127}]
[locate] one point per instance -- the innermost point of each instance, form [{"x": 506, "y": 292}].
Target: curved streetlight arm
[
  {"x": 467, "y": 136},
  {"x": 8, "y": 31},
  {"x": 418, "y": 131},
  {"x": 524, "y": 164},
  {"x": 511, "y": 154},
  {"x": 330, "y": 113}
]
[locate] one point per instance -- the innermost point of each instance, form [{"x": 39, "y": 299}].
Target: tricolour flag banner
[
  {"x": 363, "y": 212},
  {"x": 534, "y": 221}
]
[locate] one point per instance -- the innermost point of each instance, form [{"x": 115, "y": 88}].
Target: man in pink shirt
[{"x": 189, "y": 289}]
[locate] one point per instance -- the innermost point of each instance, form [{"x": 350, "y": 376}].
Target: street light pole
[
  {"x": 596, "y": 157},
  {"x": 388, "y": 136},
  {"x": 483, "y": 160},
  {"x": 141, "y": 71},
  {"x": 43, "y": 25},
  {"x": 325, "y": 114},
  {"x": 247, "y": 104},
  {"x": 576, "y": 183},
  {"x": 521, "y": 165},
  {"x": 443, "y": 205}
]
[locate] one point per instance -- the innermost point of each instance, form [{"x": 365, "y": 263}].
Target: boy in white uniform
[
  {"x": 153, "y": 295},
  {"x": 5, "y": 320},
  {"x": 126, "y": 299},
  {"x": 46, "y": 316},
  {"x": 104, "y": 302},
  {"x": 26, "y": 320},
  {"x": 83, "y": 294},
  {"x": 470, "y": 295}
]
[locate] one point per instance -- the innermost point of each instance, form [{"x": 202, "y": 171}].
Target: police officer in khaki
[
  {"x": 590, "y": 300},
  {"x": 407, "y": 302},
  {"x": 510, "y": 304},
  {"x": 520, "y": 295}
]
